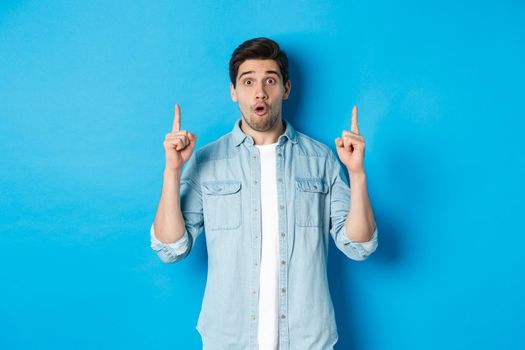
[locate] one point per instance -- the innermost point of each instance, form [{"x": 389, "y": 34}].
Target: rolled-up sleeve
[
  {"x": 169, "y": 252},
  {"x": 191, "y": 209},
  {"x": 339, "y": 208},
  {"x": 358, "y": 250}
]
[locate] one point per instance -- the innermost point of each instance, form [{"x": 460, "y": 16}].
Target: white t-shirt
[{"x": 268, "y": 335}]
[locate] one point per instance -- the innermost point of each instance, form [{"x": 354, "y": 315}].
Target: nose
[{"x": 261, "y": 94}]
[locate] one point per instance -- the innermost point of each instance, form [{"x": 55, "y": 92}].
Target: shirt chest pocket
[
  {"x": 221, "y": 204},
  {"x": 310, "y": 197}
]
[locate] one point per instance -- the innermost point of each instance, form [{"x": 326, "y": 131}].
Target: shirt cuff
[
  {"x": 363, "y": 249},
  {"x": 173, "y": 249}
]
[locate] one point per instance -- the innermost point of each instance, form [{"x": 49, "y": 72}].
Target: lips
[{"x": 260, "y": 109}]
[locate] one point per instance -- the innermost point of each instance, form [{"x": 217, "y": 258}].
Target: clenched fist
[{"x": 178, "y": 144}]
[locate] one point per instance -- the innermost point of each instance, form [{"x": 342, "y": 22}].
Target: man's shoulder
[
  {"x": 223, "y": 147},
  {"x": 308, "y": 146},
  {"x": 218, "y": 149}
]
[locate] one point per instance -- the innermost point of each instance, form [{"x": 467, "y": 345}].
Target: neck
[{"x": 264, "y": 137}]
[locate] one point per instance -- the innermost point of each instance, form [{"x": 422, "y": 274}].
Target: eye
[
  {"x": 270, "y": 81},
  {"x": 248, "y": 82}
]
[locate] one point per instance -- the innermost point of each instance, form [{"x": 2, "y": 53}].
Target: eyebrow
[{"x": 267, "y": 72}]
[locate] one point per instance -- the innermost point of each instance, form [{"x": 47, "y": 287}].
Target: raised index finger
[
  {"x": 176, "y": 119},
  {"x": 354, "y": 127}
]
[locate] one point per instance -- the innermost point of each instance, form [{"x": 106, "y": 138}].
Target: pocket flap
[
  {"x": 311, "y": 185},
  {"x": 221, "y": 187}
]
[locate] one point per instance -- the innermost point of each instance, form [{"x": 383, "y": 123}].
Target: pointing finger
[
  {"x": 354, "y": 127},
  {"x": 176, "y": 119}
]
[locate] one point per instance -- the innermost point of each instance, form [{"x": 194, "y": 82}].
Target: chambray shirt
[{"x": 220, "y": 193}]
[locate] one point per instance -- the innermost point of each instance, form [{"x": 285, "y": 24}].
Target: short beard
[{"x": 269, "y": 123}]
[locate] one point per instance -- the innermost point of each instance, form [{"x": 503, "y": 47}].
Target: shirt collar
[{"x": 239, "y": 136}]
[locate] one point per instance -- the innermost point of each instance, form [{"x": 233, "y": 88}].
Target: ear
[
  {"x": 287, "y": 88},
  {"x": 233, "y": 93}
]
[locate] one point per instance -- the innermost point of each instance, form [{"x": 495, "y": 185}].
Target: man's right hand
[{"x": 178, "y": 144}]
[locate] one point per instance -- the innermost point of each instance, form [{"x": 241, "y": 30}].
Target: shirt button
[
  {"x": 254, "y": 291},
  {"x": 280, "y": 180},
  {"x": 255, "y": 209},
  {"x": 254, "y": 157},
  {"x": 254, "y": 264},
  {"x": 282, "y": 234},
  {"x": 281, "y": 206},
  {"x": 283, "y": 316},
  {"x": 279, "y": 154},
  {"x": 283, "y": 290},
  {"x": 283, "y": 262},
  {"x": 255, "y": 182},
  {"x": 253, "y": 317}
]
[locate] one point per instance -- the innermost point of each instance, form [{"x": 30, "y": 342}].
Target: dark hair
[{"x": 258, "y": 48}]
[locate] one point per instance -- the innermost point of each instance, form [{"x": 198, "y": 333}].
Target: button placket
[
  {"x": 255, "y": 231},
  {"x": 283, "y": 247}
]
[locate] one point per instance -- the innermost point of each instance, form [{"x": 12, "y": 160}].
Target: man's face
[{"x": 260, "y": 91}]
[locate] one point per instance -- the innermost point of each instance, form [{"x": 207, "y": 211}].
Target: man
[{"x": 268, "y": 198}]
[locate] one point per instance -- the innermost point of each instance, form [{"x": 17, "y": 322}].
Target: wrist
[
  {"x": 172, "y": 172},
  {"x": 359, "y": 176}
]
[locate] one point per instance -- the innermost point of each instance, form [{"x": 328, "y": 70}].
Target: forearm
[
  {"x": 169, "y": 224},
  {"x": 360, "y": 222}
]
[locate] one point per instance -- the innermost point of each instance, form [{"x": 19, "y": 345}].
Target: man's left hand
[{"x": 351, "y": 147}]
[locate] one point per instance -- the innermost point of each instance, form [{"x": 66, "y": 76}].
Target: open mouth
[{"x": 260, "y": 109}]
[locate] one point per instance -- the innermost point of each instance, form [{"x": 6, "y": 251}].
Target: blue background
[{"x": 87, "y": 90}]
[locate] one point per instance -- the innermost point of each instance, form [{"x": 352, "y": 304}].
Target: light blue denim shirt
[{"x": 220, "y": 192}]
